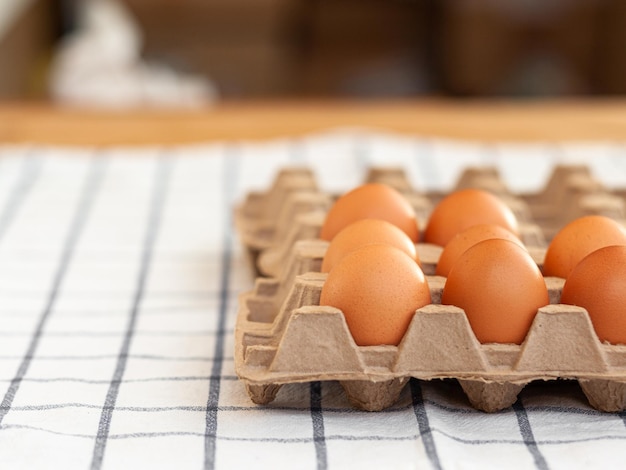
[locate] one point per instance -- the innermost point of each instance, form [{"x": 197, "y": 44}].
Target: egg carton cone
[
  {"x": 283, "y": 335},
  {"x": 571, "y": 192},
  {"x": 264, "y": 219}
]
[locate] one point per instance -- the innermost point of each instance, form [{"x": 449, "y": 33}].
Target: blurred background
[{"x": 177, "y": 52}]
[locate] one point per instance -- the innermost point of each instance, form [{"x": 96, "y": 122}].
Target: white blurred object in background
[{"x": 100, "y": 65}]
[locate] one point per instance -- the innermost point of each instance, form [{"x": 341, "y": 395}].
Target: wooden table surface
[{"x": 480, "y": 120}]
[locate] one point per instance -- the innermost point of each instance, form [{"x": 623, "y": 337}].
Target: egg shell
[
  {"x": 366, "y": 232},
  {"x": 500, "y": 288},
  {"x": 464, "y": 208},
  {"x": 371, "y": 201},
  {"x": 378, "y": 288},
  {"x": 467, "y": 238},
  {"x": 579, "y": 238},
  {"x": 597, "y": 284}
]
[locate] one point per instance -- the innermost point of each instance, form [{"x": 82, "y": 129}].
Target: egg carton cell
[{"x": 287, "y": 337}]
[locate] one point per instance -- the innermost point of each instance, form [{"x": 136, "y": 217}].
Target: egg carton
[
  {"x": 274, "y": 344},
  {"x": 283, "y": 335},
  {"x": 294, "y": 207}
]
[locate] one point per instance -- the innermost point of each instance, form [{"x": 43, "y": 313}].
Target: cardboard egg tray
[
  {"x": 283, "y": 336},
  {"x": 294, "y": 207}
]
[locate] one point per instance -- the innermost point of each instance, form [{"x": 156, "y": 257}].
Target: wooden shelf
[{"x": 476, "y": 120}]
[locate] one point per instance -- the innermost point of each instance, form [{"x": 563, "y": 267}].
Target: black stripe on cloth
[
  {"x": 229, "y": 183},
  {"x": 528, "y": 436},
  {"x": 29, "y": 172},
  {"x": 423, "y": 425},
  {"x": 161, "y": 179},
  {"x": 622, "y": 414},
  {"x": 317, "y": 416},
  {"x": 86, "y": 198}
]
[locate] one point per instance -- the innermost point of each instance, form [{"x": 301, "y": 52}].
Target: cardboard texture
[{"x": 284, "y": 336}]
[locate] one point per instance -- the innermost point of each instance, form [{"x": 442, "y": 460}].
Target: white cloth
[
  {"x": 119, "y": 276},
  {"x": 100, "y": 65}
]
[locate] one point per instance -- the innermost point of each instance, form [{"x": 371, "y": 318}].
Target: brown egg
[
  {"x": 500, "y": 288},
  {"x": 579, "y": 238},
  {"x": 366, "y": 232},
  {"x": 468, "y": 238},
  {"x": 378, "y": 288},
  {"x": 464, "y": 208},
  {"x": 371, "y": 201},
  {"x": 597, "y": 284}
]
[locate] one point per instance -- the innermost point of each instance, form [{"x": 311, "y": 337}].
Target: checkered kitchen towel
[{"x": 119, "y": 274}]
